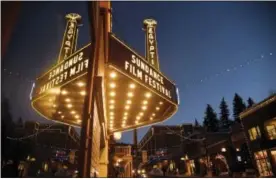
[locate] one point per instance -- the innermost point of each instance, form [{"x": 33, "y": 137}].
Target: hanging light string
[
  {"x": 17, "y": 75},
  {"x": 183, "y": 137},
  {"x": 32, "y": 135},
  {"x": 227, "y": 70},
  {"x": 47, "y": 146}
]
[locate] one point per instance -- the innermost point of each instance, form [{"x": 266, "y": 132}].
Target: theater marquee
[
  {"x": 137, "y": 94},
  {"x": 129, "y": 62}
]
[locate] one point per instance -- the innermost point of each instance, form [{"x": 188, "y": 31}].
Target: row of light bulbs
[
  {"x": 130, "y": 94},
  {"x": 68, "y": 100}
]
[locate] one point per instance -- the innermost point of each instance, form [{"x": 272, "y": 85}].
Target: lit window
[
  {"x": 263, "y": 164},
  {"x": 271, "y": 131},
  {"x": 254, "y": 133}
]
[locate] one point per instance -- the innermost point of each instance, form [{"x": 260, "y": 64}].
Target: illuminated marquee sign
[
  {"x": 71, "y": 68},
  {"x": 130, "y": 63},
  {"x": 69, "y": 39},
  {"x": 151, "y": 45}
]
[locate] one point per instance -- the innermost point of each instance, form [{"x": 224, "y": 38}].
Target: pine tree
[
  {"x": 196, "y": 123},
  {"x": 224, "y": 115},
  {"x": 250, "y": 102},
  {"x": 210, "y": 119},
  {"x": 238, "y": 107}
]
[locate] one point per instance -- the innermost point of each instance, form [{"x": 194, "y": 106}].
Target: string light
[{"x": 227, "y": 70}]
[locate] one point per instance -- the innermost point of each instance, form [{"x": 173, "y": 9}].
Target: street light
[{"x": 223, "y": 149}]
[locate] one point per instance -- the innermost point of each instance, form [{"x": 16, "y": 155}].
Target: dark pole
[{"x": 88, "y": 110}]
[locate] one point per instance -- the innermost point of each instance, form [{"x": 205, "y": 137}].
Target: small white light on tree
[{"x": 117, "y": 135}]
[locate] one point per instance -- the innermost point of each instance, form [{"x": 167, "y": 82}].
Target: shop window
[
  {"x": 271, "y": 131},
  {"x": 263, "y": 164},
  {"x": 254, "y": 133}
]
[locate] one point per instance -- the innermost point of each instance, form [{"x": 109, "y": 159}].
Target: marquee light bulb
[
  {"x": 144, "y": 107},
  {"x": 83, "y": 93},
  {"x": 125, "y": 113},
  {"x": 141, "y": 113},
  {"x": 67, "y": 100},
  {"x": 132, "y": 86},
  {"x": 111, "y": 113},
  {"x": 157, "y": 108},
  {"x": 138, "y": 117},
  {"x": 112, "y": 85},
  {"x": 77, "y": 116},
  {"x": 78, "y": 121},
  {"x": 117, "y": 135},
  {"x": 111, "y": 107},
  {"x": 112, "y": 101},
  {"x": 69, "y": 105},
  {"x": 128, "y": 101},
  {"x": 62, "y": 117},
  {"x": 123, "y": 125},
  {"x": 50, "y": 100},
  {"x": 136, "y": 122},
  {"x": 80, "y": 84},
  {"x": 148, "y": 94},
  {"x": 151, "y": 118},
  {"x": 145, "y": 102},
  {"x": 112, "y": 93},
  {"x": 113, "y": 75},
  {"x": 54, "y": 105},
  {"x": 160, "y": 102},
  {"x": 64, "y": 92},
  {"x": 111, "y": 117},
  {"x": 124, "y": 117},
  {"x": 130, "y": 94},
  {"x": 59, "y": 112},
  {"x": 73, "y": 112},
  {"x": 127, "y": 107},
  {"x": 153, "y": 114}
]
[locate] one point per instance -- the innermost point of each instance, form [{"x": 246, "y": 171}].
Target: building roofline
[{"x": 259, "y": 105}]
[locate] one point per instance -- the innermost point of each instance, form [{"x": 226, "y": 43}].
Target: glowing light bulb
[
  {"x": 127, "y": 107},
  {"x": 112, "y": 85},
  {"x": 117, "y": 135},
  {"x": 112, "y": 93},
  {"x": 111, "y": 107},
  {"x": 160, "y": 102},
  {"x": 144, "y": 107},
  {"x": 128, "y": 101},
  {"x": 125, "y": 113},
  {"x": 64, "y": 92},
  {"x": 124, "y": 117},
  {"x": 136, "y": 122},
  {"x": 78, "y": 121},
  {"x": 62, "y": 117},
  {"x": 83, "y": 93},
  {"x": 132, "y": 86},
  {"x": 112, "y": 101},
  {"x": 67, "y": 100},
  {"x": 77, "y": 116},
  {"x": 111, "y": 113},
  {"x": 157, "y": 108},
  {"x": 73, "y": 112},
  {"x": 138, "y": 117},
  {"x": 54, "y": 105},
  {"x": 111, "y": 117},
  {"x": 145, "y": 102},
  {"x": 130, "y": 94},
  {"x": 151, "y": 118},
  {"x": 153, "y": 114},
  {"x": 80, "y": 84},
  {"x": 113, "y": 75},
  {"x": 59, "y": 112},
  {"x": 148, "y": 94},
  {"x": 69, "y": 105},
  {"x": 141, "y": 113}
]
